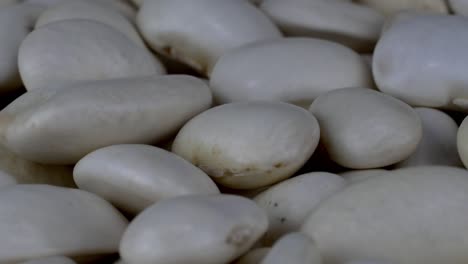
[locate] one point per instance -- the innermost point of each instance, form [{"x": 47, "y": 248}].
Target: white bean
[
  {"x": 360, "y": 175},
  {"x": 459, "y": 6},
  {"x": 95, "y": 114},
  {"x": 42, "y": 220},
  {"x": 51, "y": 260},
  {"x": 294, "y": 70},
  {"x": 254, "y": 256},
  {"x": 364, "y": 129},
  {"x": 5, "y": 3},
  {"x": 288, "y": 203},
  {"x": 249, "y": 145},
  {"x": 353, "y": 25},
  {"x": 15, "y": 24},
  {"x": 209, "y": 229},
  {"x": 6, "y": 179},
  {"x": 394, "y": 6},
  {"x": 438, "y": 145},
  {"x": 33, "y": 173},
  {"x": 293, "y": 248},
  {"x": 419, "y": 213},
  {"x": 216, "y": 26},
  {"x": 133, "y": 177},
  {"x": 432, "y": 76},
  {"x": 91, "y": 10},
  {"x": 462, "y": 141},
  {"x": 77, "y": 50}
]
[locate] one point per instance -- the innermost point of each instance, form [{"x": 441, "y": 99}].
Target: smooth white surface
[
  {"x": 438, "y": 145},
  {"x": 249, "y": 145},
  {"x": 51, "y": 260},
  {"x": 42, "y": 220},
  {"x": 289, "y": 202},
  {"x": 6, "y": 179},
  {"x": 90, "y": 115},
  {"x": 5, "y": 3},
  {"x": 360, "y": 175},
  {"x": 254, "y": 256},
  {"x": 430, "y": 75},
  {"x": 132, "y": 177},
  {"x": 77, "y": 50},
  {"x": 295, "y": 70},
  {"x": 293, "y": 248},
  {"x": 91, "y": 10},
  {"x": 462, "y": 142},
  {"x": 364, "y": 129},
  {"x": 33, "y": 173},
  {"x": 459, "y": 6},
  {"x": 392, "y": 7},
  {"x": 353, "y": 25},
  {"x": 199, "y": 32},
  {"x": 208, "y": 229},
  {"x": 419, "y": 213},
  {"x": 16, "y": 22},
  {"x": 367, "y": 262}
]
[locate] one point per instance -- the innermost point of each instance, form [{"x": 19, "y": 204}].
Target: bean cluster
[{"x": 234, "y": 131}]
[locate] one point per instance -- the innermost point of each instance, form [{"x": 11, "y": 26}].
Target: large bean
[
  {"x": 89, "y": 115},
  {"x": 216, "y": 26},
  {"x": 78, "y": 50},
  {"x": 42, "y": 220},
  {"x": 419, "y": 213},
  {"x": 133, "y": 177},
  {"x": 209, "y": 229},
  {"x": 294, "y": 70},
  {"x": 363, "y": 129},
  {"x": 242, "y": 145}
]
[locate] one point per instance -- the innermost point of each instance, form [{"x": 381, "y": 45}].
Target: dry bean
[
  {"x": 194, "y": 229},
  {"x": 294, "y": 70},
  {"x": 344, "y": 22},
  {"x": 242, "y": 145},
  {"x": 432, "y": 76},
  {"x": 42, "y": 220},
  {"x": 78, "y": 50},
  {"x": 293, "y": 248},
  {"x": 216, "y": 26},
  {"x": 364, "y": 129},
  {"x": 254, "y": 256},
  {"x": 288, "y": 203},
  {"x": 133, "y": 177},
  {"x": 89, "y": 115},
  {"x": 400, "y": 210},
  {"x": 394, "y": 6},
  {"x": 90, "y": 10},
  {"x": 438, "y": 145}
]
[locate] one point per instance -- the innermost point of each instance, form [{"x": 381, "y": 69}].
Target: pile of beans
[{"x": 234, "y": 131}]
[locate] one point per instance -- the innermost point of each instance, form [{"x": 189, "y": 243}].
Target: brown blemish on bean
[
  {"x": 279, "y": 165},
  {"x": 167, "y": 50}
]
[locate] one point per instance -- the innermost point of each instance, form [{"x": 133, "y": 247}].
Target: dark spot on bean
[
  {"x": 279, "y": 165},
  {"x": 167, "y": 50}
]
